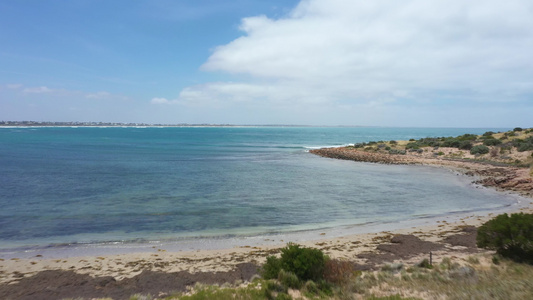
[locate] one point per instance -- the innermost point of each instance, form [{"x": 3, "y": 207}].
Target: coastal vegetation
[
  {"x": 478, "y": 277},
  {"x": 511, "y": 236},
  {"x": 505, "y": 148},
  {"x": 307, "y": 273}
]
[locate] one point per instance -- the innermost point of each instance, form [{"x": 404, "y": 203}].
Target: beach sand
[{"x": 160, "y": 272}]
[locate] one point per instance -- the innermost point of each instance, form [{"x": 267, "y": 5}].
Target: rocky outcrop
[{"x": 505, "y": 178}]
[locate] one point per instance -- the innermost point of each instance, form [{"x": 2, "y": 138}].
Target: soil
[{"x": 59, "y": 284}]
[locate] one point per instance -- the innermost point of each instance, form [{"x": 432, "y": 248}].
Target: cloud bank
[{"x": 363, "y": 55}]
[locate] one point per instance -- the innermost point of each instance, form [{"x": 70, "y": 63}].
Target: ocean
[{"x": 88, "y": 185}]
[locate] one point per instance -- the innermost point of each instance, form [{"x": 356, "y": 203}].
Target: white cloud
[
  {"x": 363, "y": 51},
  {"x": 160, "y": 101},
  {"x": 39, "y": 90},
  {"x": 14, "y": 86},
  {"x": 98, "y": 95},
  {"x": 40, "y": 93}
]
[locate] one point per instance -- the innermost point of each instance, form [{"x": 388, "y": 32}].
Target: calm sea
[{"x": 96, "y": 185}]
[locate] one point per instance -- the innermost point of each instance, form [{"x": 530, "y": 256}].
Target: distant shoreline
[{"x": 29, "y": 124}]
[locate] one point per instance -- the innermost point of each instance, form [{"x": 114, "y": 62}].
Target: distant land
[{"x": 114, "y": 124}]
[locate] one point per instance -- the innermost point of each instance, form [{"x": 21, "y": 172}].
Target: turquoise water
[{"x": 95, "y": 185}]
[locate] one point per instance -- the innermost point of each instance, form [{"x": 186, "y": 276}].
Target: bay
[{"x": 62, "y": 185}]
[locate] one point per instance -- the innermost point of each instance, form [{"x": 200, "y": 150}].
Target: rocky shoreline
[{"x": 501, "y": 177}]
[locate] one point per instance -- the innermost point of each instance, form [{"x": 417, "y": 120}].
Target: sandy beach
[{"x": 160, "y": 271}]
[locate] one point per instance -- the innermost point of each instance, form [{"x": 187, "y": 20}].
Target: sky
[{"x": 408, "y": 63}]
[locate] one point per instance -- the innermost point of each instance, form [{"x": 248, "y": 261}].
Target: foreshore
[{"x": 123, "y": 274}]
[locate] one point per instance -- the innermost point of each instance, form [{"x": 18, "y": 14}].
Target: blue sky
[{"x": 444, "y": 63}]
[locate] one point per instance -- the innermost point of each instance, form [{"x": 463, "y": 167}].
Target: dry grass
[{"x": 507, "y": 280}]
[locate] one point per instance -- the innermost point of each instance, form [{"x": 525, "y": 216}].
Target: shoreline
[{"x": 451, "y": 235}]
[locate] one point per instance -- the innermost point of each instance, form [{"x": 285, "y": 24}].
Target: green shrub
[
  {"x": 467, "y": 137},
  {"x": 511, "y": 236},
  {"x": 283, "y": 296},
  {"x": 525, "y": 147},
  {"x": 492, "y": 142},
  {"x": 465, "y": 145},
  {"x": 271, "y": 268},
  {"x": 412, "y": 145},
  {"x": 396, "y": 151},
  {"x": 306, "y": 263},
  {"x": 517, "y": 129},
  {"x": 311, "y": 287},
  {"x": 289, "y": 279},
  {"x": 517, "y": 142},
  {"x": 451, "y": 142},
  {"x": 272, "y": 287},
  {"x": 488, "y": 133},
  {"x": 479, "y": 149}
]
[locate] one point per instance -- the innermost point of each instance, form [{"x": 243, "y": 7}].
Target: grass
[
  {"x": 507, "y": 280},
  {"x": 253, "y": 291}
]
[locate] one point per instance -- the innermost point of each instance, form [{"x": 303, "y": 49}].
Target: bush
[
  {"x": 511, "y": 236},
  {"x": 412, "y": 145},
  {"x": 517, "y": 129},
  {"x": 492, "y": 142},
  {"x": 396, "y": 151},
  {"x": 467, "y": 137},
  {"x": 271, "y": 268},
  {"x": 337, "y": 271},
  {"x": 488, "y": 133},
  {"x": 283, "y": 296},
  {"x": 525, "y": 147},
  {"x": 289, "y": 279},
  {"x": 480, "y": 149},
  {"x": 311, "y": 287},
  {"x": 305, "y": 263},
  {"x": 465, "y": 145},
  {"x": 451, "y": 142}
]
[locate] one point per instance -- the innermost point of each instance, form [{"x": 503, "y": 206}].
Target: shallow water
[{"x": 94, "y": 185}]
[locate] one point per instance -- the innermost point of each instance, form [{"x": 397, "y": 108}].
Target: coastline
[{"x": 452, "y": 233}]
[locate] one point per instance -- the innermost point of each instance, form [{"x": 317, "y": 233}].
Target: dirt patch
[
  {"x": 59, "y": 284},
  {"x": 465, "y": 239},
  {"x": 401, "y": 247}
]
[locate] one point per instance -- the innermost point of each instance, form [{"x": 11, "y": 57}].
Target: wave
[{"x": 327, "y": 146}]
